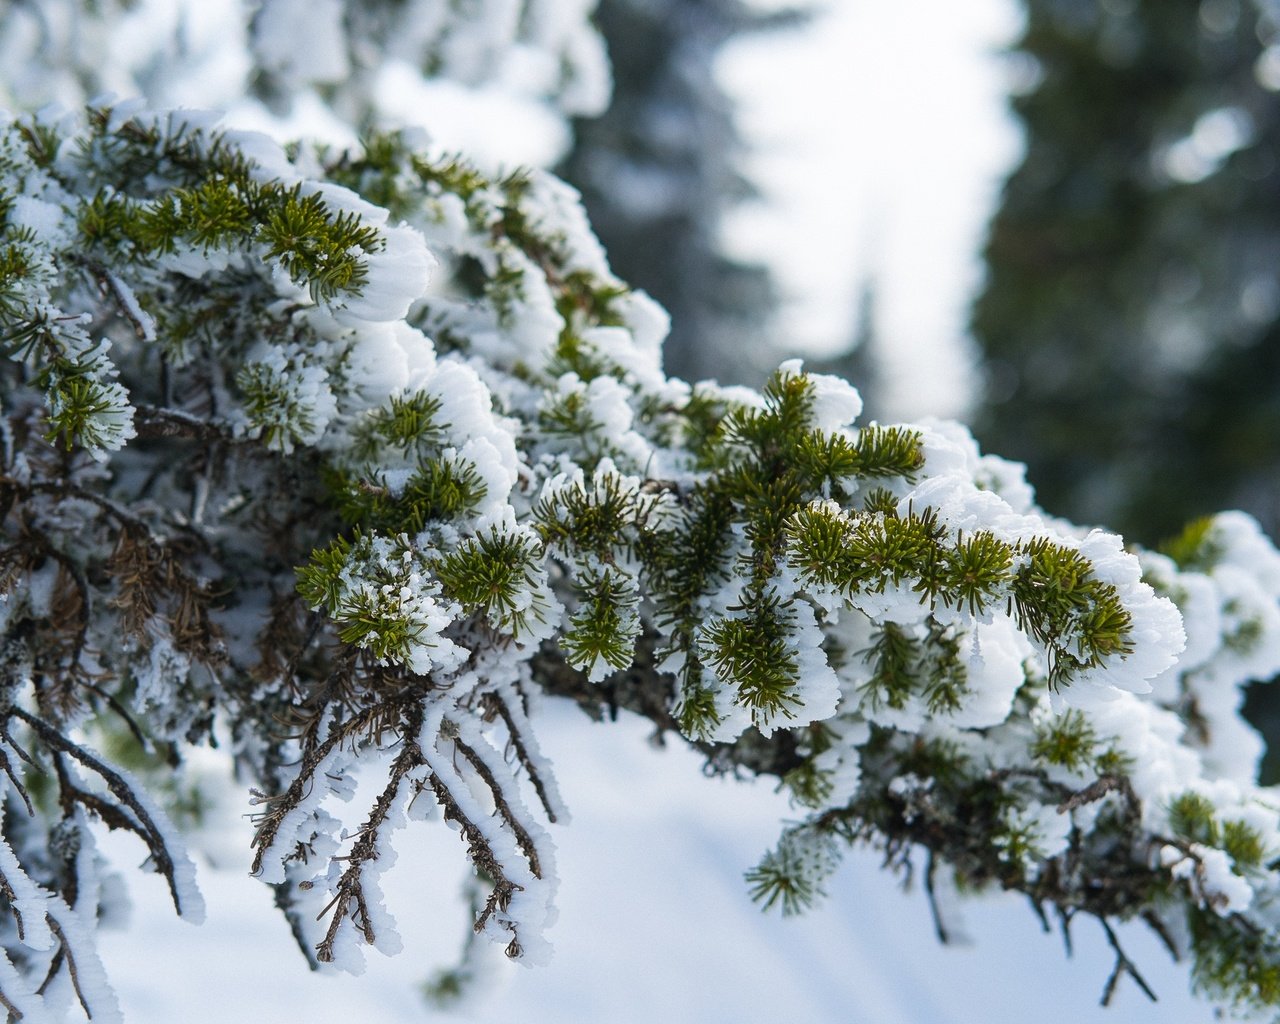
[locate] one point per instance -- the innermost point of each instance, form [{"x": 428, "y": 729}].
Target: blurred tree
[
  {"x": 659, "y": 170},
  {"x": 1132, "y": 308},
  {"x": 861, "y": 359}
]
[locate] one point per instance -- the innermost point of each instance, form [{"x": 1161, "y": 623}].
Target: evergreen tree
[
  {"x": 1131, "y": 308},
  {"x": 660, "y": 169},
  {"x": 353, "y": 458}
]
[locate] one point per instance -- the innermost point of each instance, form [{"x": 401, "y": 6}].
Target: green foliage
[
  {"x": 791, "y": 876},
  {"x": 273, "y": 405},
  {"x": 1080, "y": 620},
  {"x": 606, "y": 624},
  {"x": 1243, "y": 843},
  {"x": 320, "y": 581},
  {"x": 972, "y": 575},
  {"x": 1067, "y": 741},
  {"x": 893, "y": 656},
  {"x": 363, "y": 585},
  {"x": 41, "y": 141},
  {"x": 567, "y": 417},
  {"x": 325, "y": 251},
  {"x": 771, "y": 884},
  {"x": 575, "y": 355},
  {"x": 1247, "y": 631},
  {"x": 496, "y": 573},
  {"x": 822, "y": 456},
  {"x": 78, "y": 400},
  {"x": 778, "y": 427},
  {"x": 807, "y": 784},
  {"x": 602, "y": 518},
  {"x": 1194, "y": 818},
  {"x": 751, "y": 650},
  {"x": 1234, "y": 963},
  {"x": 1194, "y": 549},
  {"x": 437, "y": 490},
  {"x": 888, "y": 451},
  {"x": 754, "y": 545},
  {"x": 1191, "y": 816},
  {"x": 314, "y": 246},
  {"x": 210, "y": 215},
  {"x": 369, "y": 621},
  {"x": 405, "y": 424},
  {"x": 585, "y": 296},
  {"x": 860, "y": 552},
  {"x": 880, "y": 500},
  {"x": 701, "y": 422},
  {"x": 946, "y": 679}
]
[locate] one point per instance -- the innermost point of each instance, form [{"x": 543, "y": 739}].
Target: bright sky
[{"x": 881, "y": 142}]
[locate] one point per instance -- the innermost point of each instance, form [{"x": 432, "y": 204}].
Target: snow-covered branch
[{"x": 356, "y": 456}]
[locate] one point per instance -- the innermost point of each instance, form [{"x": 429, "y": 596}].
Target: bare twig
[
  {"x": 1041, "y": 916},
  {"x": 113, "y": 509},
  {"x": 482, "y": 857},
  {"x": 7, "y": 767},
  {"x": 7, "y": 891},
  {"x": 65, "y": 952},
  {"x": 1065, "y": 915},
  {"x": 1123, "y": 966},
  {"x": 144, "y": 827},
  {"x": 123, "y": 712},
  {"x": 14, "y": 1013},
  {"x": 1096, "y": 790},
  {"x": 269, "y": 823},
  {"x": 1153, "y": 922},
  {"x": 152, "y": 422},
  {"x": 522, "y": 752},
  {"x": 523, "y": 839},
  {"x": 350, "y": 887},
  {"x": 939, "y": 926}
]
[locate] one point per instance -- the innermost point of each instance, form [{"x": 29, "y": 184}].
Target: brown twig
[
  {"x": 152, "y": 422},
  {"x": 1096, "y": 790},
  {"x": 350, "y": 886},
  {"x": 7, "y": 766},
  {"x": 1123, "y": 966},
  {"x": 482, "y": 857},
  {"x": 939, "y": 926},
  {"x": 522, "y": 753},
  {"x": 523, "y": 839},
  {"x": 64, "y": 952},
  {"x": 144, "y": 827}
]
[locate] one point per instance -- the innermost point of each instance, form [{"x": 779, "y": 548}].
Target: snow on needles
[{"x": 428, "y": 464}]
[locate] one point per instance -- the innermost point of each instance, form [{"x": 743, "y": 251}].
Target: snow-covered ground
[{"x": 655, "y": 926}]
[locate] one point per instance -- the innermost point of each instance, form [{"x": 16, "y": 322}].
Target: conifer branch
[
  {"x": 482, "y": 856},
  {"x": 65, "y": 955},
  {"x": 1123, "y": 965},
  {"x": 129, "y": 814},
  {"x": 516, "y": 736},
  {"x": 349, "y": 889},
  {"x": 393, "y": 504},
  {"x": 525, "y": 841}
]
